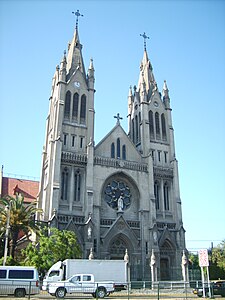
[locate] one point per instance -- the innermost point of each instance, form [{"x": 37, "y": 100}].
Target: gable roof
[{"x": 103, "y": 148}]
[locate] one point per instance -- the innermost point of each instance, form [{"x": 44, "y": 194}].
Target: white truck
[
  {"x": 110, "y": 270},
  {"x": 81, "y": 283}
]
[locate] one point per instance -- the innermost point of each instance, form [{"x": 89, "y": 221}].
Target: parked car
[
  {"x": 19, "y": 281},
  {"x": 217, "y": 288}
]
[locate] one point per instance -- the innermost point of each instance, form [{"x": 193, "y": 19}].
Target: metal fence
[{"x": 135, "y": 290}]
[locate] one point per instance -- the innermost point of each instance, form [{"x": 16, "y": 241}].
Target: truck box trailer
[{"x": 110, "y": 270}]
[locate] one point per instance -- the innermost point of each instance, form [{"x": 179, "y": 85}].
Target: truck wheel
[
  {"x": 20, "y": 293},
  {"x": 101, "y": 292},
  {"x": 60, "y": 292}
]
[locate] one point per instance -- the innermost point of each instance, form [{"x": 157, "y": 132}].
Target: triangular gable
[
  {"x": 167, "y": 236},
  {"x": 77, "y": 77},
  {"x": 103, "y": 148},
  {"x": 71, "y": 226},
  {"x": 119, "y": 226}
]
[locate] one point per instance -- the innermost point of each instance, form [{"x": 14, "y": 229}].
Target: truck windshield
[{"x": 54, "y": 273}]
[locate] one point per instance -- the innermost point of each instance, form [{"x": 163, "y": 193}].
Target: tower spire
[
  {"x": 74, "y": 58},
  {"x": 77, "y": 14}
]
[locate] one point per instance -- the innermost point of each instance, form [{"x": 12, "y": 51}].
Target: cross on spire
[
  {"x": 118, "y": 118},
  {"x": 77, "y": 14},
  {"x": 144, "y": 37}
]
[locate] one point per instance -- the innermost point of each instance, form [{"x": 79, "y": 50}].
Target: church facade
[{"x": 123, "y": 193}]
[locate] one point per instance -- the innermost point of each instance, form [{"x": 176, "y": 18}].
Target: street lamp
[{"x": 7, "y": 232}]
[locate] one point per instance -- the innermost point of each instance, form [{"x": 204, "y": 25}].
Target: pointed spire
[
  {"x": 62, "y": 70},
  {"x": 91, "y": 75},
  {"x": 75, "y": 58},
  {"x": 165, "y": 91},
  {"x": 130, "y": 100},
  {"x": 165, "y": 94},
  {"x": 146, "y": 72},
  {"x": 91, "y": 66}
]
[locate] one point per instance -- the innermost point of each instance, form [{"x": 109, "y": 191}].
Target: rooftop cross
[
  {"x": 77, "y": 14},
  {"x": 118, "y": 118},
  {"x": 144, "y": 37}
]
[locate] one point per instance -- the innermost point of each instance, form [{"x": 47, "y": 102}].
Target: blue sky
[{"x": 186, "y": 47}]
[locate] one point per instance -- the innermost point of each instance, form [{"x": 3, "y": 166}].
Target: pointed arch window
[
  {"x": 112, "y": 150},
  {"x": 77, "y": 185},
  {"x": 157, "y": 126},
  {"x": 151, "y": 124},
  {"x": 75, "y": 106},
  {"x": 163, "y": 122},
  {"x": 136, "y": 129},
  {"x": 166, "y": 196},
  {"x": 133, "y": 134},
  {"x": 139, "y": 127},
  {"x": 83, "y": 109},
  {"x": 64, "y": 184},
  {"x": 157, "y": 195},
  {"x": 124, "y": 152},
  {"x": 118, "y": 148},
  {"x": 67, "y": 105}
]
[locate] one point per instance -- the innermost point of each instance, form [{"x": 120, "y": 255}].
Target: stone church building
[{"x": 122, "y": 193}]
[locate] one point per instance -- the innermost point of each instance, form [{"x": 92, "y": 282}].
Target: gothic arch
[
  {"x": 167, "y": 259},
  {"x": 118, "y": 246}
]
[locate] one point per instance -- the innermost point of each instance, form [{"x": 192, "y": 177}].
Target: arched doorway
[{"x": 167, "y": 256}]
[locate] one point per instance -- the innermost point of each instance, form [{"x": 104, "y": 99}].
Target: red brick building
[{"x": 10, "y": 186}]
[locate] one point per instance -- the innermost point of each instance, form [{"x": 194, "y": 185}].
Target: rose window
[{"x": 117, "y": 195}]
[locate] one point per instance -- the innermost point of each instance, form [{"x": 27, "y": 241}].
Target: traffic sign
[{"x": 203, "y": 258}]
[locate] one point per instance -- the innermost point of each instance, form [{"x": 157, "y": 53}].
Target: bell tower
[{"x": 69, "y": 129}]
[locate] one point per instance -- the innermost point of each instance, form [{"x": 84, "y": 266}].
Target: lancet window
[
  {"x": 64, "y": 184},
  {"x": 157, "y": 194},
  {"x": 166, "y": 196},
  {"x": 163, "y": 122},
  {"x": 67, "y": 105},
  {"x": 124, "y": 154},
  {"x": 151, "y": 124},
  {"x": 118, "y": 148},
  {"x": 83, "y": 109},
  {"x": 157, "y": 126},
  {"x": 112, "y": 150},
  {"x": 77, "y": 185},
  {"x": 75, "y": 106}
]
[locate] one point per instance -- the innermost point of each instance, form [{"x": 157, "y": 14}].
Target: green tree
[
  {"x": 218, "y": 255},
  {"x": 21, "y": 219},
  {"x": 217, "y": 265},
  {"x": 52, "y": 247}
]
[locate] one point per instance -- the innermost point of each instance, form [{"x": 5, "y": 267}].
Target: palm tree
[{"x": 22, "y": 218}]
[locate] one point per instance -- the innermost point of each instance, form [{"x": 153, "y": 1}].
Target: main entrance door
[{"x": 164, "y": 269}]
